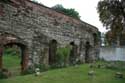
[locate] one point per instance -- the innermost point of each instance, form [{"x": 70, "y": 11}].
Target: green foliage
[
  {"x": 70, "y": 12},
  {"x": 11, "y": 61},
  {"x": 112, "y": 15},
  {"x": 62, "y": 56},
  {"x": 11, "y": 58},
  {"x": 35, "y": 1},
  {"x": 2, "y": 76},
  {"x": 110, "y": 11},
  {"x": 77, "y": 74},
  {"x": 11, "y": 51}
]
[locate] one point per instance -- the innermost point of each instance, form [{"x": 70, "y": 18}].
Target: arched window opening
[{"x": 52, "y": 52}]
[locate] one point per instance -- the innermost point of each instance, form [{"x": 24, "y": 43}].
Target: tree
[
  {"x": 70, "y": 12},
  {"x": 110, "y": 38},
  {"x": 112, "y": 15}
]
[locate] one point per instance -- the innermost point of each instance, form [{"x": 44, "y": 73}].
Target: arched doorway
[
  {"x": 11, "y": 59},
  {"x": 87, "y": 51},
  {"x": 73, "y": 53},
  {"x": 10, "y": 41},
  {"x": 22, "y": 54},
  {"x": 52, "y": 52},
  {"x": 95, "y": 40}
]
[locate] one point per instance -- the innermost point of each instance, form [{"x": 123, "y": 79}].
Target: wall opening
[
  {"x": 73, "y": 53},
  {"x": 12, "y": 60},
  {"x": 95, "y": 40},
  {"x": 52, "y": 52},
  {"x": 87, "y": 52}
]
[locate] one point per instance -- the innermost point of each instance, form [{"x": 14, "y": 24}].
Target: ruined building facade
[{"x": 39, "y": 30}]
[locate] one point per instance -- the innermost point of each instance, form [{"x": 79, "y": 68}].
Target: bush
[
  {"x": 70, "y": 12},
  {"x": 2, "y": 75},
  {"x": 11, "y": 51},
  {"x": 62, "y": 56}
]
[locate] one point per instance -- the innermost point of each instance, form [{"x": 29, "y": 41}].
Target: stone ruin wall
[{"x": 36, "y": 25}]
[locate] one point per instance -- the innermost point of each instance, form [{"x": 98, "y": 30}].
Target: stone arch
[
  {"x": 7, "y": 39},
  {"x": 52, "y": 51}
]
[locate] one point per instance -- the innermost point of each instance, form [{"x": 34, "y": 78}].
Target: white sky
[{"x": 86, "y": 9}]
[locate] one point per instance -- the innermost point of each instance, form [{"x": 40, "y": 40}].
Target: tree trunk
[{"x": 118, "y": 40}]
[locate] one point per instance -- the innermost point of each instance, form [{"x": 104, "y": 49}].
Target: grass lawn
[
  {"x": 10, "y": 61},
  {"x": 78, "y": 74}
]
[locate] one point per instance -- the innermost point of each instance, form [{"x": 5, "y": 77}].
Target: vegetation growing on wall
[
  {"x": 67, "y": 11},
  {"x": 70, "y": 12}
]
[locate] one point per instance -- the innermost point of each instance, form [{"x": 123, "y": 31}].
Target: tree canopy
[
  {"x": 111, "y": 11},
  {"x": 70, "y": 12},
  {"x": 112, "y": 15}
]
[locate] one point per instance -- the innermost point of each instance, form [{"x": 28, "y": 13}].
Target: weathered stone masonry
[{"x": 32, "y": 27}]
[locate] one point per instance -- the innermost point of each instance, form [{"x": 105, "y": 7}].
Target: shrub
[
  {"x": 2, "y": 75},
  {"x": 62, "y": 56},
  {"x": 11, "y": 51}
]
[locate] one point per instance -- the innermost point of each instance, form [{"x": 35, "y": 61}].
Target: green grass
[
  {"x": 78, "y": 74},
  {"x": 11, "y": 58},
  {"x": 10, "y": 61}
]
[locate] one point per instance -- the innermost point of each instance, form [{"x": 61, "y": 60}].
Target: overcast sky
[{"x": 86, "y": 9}]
